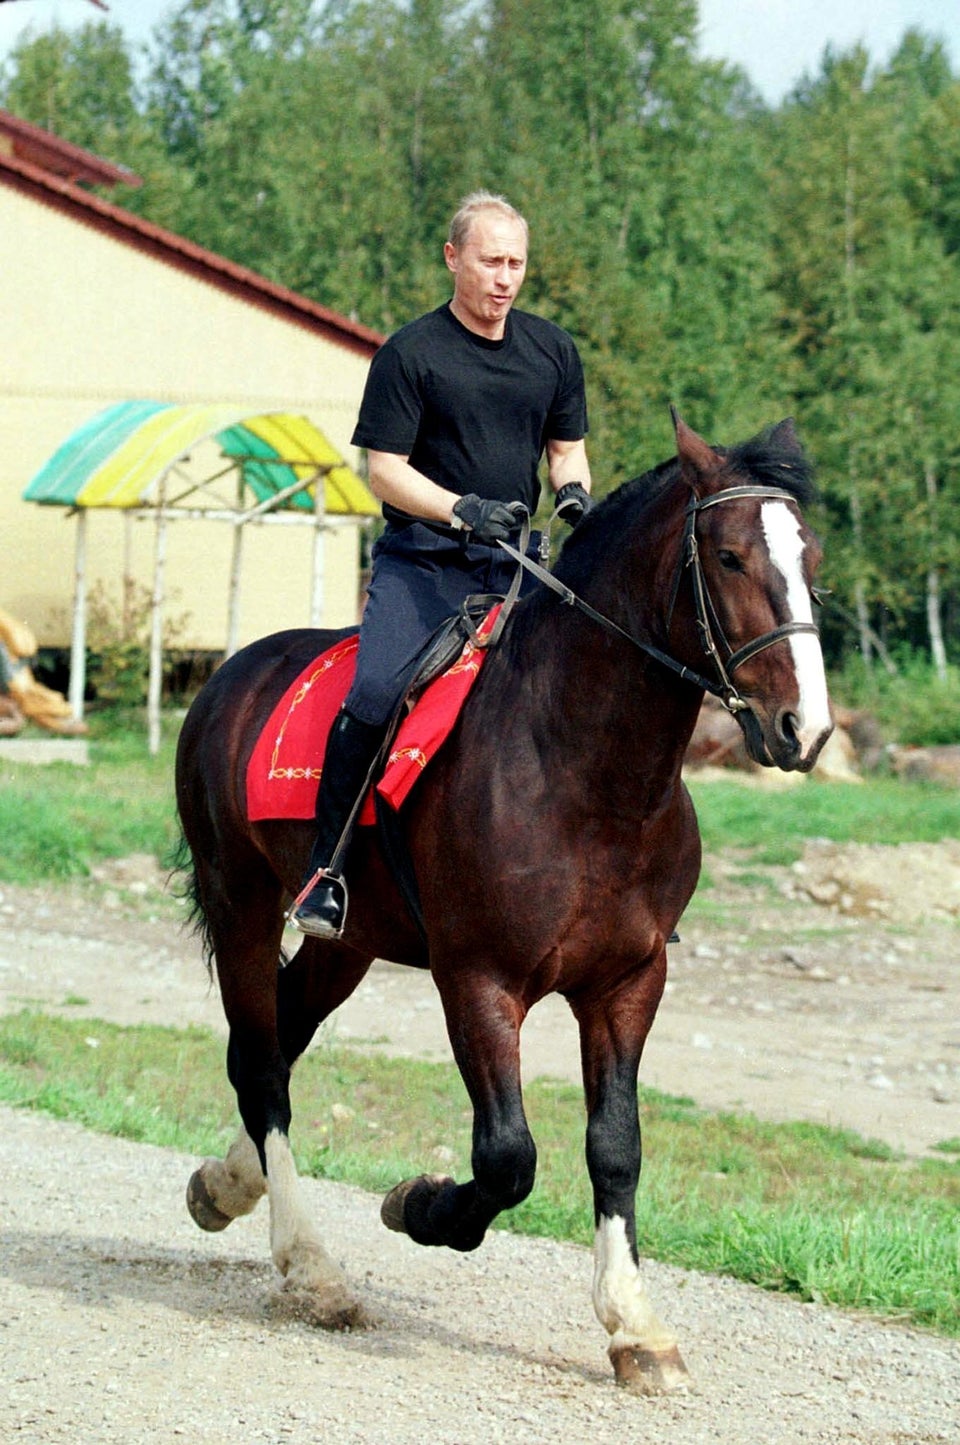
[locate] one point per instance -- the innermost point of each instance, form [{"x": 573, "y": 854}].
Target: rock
[
  {"x": 928, "y": 765},
  {"x": 907, "y": 883},
  {"x": 837, "y": 762}
]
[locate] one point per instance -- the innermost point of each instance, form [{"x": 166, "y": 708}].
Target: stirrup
[{"x": 321, "y": 928}]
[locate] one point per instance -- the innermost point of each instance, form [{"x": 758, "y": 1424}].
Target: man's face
[{"x": 488, "y": 270}]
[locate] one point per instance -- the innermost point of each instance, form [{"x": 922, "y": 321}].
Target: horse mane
[
  {"x": 765, "y": 459},
  {"x": 762, "y": 459}
]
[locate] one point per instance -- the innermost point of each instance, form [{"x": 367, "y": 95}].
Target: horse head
[{"x": 753, "y": 561}]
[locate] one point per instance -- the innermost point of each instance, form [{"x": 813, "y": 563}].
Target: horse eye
[{"x": 729, "y": 561}]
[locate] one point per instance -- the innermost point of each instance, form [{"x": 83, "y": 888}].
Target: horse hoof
[
  {"x": 391, "y": 1210},
  {"x": 649, "y": 1372},
  {"x": 202, "y": 1209},
  {"x": 330, "y": 1309}
]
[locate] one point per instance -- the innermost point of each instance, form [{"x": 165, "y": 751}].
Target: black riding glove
[
  {"x": 573, "y": 502},
  {"x": 487, "y": 520}
]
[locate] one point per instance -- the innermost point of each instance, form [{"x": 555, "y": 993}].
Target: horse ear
[
  {"x": 784, "y": 435},
  {"x": 694, "y": 453}
]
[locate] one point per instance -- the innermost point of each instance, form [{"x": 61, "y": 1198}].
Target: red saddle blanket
[{"x": 284, "y": 768}]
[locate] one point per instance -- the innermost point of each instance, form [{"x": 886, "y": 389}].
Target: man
[{"x": 458, "y": 409}]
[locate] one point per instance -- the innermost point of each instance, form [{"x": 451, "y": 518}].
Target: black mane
[{"x": 761, "y": 460}]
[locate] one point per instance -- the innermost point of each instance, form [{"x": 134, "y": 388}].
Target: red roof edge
[
  {"x": 186, "y": 255},
  {"x": 61, "y": 157}
]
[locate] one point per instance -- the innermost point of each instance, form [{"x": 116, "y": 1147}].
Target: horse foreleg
[
  {"x": 643, "y": 1351},
  {"x": 484, "y": 1026}
]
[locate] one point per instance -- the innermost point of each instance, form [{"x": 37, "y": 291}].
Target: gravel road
[{"x": 120, "y": 1321}]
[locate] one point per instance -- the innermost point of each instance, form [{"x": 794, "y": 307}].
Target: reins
[{"x": 707, "y": 619}]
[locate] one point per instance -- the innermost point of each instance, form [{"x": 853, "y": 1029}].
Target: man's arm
[
  {"x": 395, "y": 481},
  {"x": 567, "y": 462}
]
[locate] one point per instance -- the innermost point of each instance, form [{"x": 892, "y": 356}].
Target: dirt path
[
  {"x": 785, "y": 1007},
  {"x": 120, "y": 1321}
]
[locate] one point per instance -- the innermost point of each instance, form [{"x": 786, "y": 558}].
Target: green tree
[
  {"x": 850, "y": 259},
  {"x": 81, "y": 85}
]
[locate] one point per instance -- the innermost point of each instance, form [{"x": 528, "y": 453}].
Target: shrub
[
  {"x": 118, "y": 660},
  {"x": 913, "y": 707}
]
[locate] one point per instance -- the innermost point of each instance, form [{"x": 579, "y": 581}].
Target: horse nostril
[{"x": 790, "y": 729}]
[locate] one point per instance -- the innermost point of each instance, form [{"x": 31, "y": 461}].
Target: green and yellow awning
[{"x": 120, "y": 457}]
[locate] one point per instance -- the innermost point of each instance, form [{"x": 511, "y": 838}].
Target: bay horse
[{"x": 554, "y": 845}]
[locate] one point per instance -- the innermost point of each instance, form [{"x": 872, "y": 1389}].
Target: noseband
[{"x": 707, "y": 619}]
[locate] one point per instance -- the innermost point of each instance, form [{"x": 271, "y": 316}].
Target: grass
[
  {"x": 59, "y": 820},
  {"x": 770, "y": 827},
  {"x": 819, "y": 1213}
]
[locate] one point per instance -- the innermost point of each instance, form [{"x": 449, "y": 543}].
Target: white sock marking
[{"x": 619, "y": 1297}]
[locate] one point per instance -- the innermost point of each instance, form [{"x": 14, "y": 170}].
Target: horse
[{"x": 554, "y": 847}]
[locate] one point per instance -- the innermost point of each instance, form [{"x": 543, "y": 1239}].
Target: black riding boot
[{"x": 351, "y": 749}]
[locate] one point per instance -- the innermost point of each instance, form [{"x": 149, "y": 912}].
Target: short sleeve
[
  {"x": 391, "y": 408},
  {"x": 567, "y": 421}
]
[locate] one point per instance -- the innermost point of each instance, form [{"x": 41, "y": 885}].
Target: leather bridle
[{"x": 707, "y": 618}]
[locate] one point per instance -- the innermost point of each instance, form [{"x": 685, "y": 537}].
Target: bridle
[{"x": 707, "y": 619}]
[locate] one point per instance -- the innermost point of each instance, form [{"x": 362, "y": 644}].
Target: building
[{"x": 102, "y": 307}]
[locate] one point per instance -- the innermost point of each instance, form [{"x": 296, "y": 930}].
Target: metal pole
[
  {"x": 78, "y": 641},
  {"x": 319, "y": 514},
  {"x": 155, "y": 680},
  {"x": 233, "y": 606},
  {"x": 233, "y": 599}
]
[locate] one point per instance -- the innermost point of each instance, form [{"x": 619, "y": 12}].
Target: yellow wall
[{"x": 89, "y": 321}]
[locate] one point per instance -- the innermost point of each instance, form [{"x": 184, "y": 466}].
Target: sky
[{"x": 775, "y": 41}]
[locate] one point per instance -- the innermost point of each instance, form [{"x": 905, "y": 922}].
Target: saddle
[{"x": 284, "y": 768}]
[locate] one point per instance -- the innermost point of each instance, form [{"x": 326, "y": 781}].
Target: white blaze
[{"x": 785, "y": 545}]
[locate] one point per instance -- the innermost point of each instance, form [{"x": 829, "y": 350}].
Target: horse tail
[{"x": 186, "y": 886}]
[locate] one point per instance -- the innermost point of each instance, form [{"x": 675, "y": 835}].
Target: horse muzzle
[{"x": 779, "y": 740}]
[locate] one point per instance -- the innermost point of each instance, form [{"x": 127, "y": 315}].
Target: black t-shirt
[{"x": 474, "y": 415}]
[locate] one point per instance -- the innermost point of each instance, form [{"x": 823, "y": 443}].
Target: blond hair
[{"x": 471, "y": 205}]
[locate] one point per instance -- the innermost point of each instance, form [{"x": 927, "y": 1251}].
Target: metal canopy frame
[{"x": 178, "y": 495}]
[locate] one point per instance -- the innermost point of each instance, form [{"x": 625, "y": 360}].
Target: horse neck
[{"x": 611, "y": 709}]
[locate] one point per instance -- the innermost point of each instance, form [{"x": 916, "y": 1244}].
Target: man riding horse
[{"x": 458, "y": 409}]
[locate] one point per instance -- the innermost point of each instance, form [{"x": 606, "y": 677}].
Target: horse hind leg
[
  {"x": 222, "y": 1190},
  {"x": 315, "y": 982},
  {"x": 315, "y": 1289},
  {"x": 246, "y": 945}
]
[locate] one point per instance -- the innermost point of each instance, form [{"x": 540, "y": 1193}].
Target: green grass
[
  {"x": 820, "y": 1213},
  {"x": 770, "y": 827},
  {"x": 58, "y": 820}
]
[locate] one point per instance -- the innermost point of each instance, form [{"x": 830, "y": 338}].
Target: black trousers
[{"x": 419, "y": 579}]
